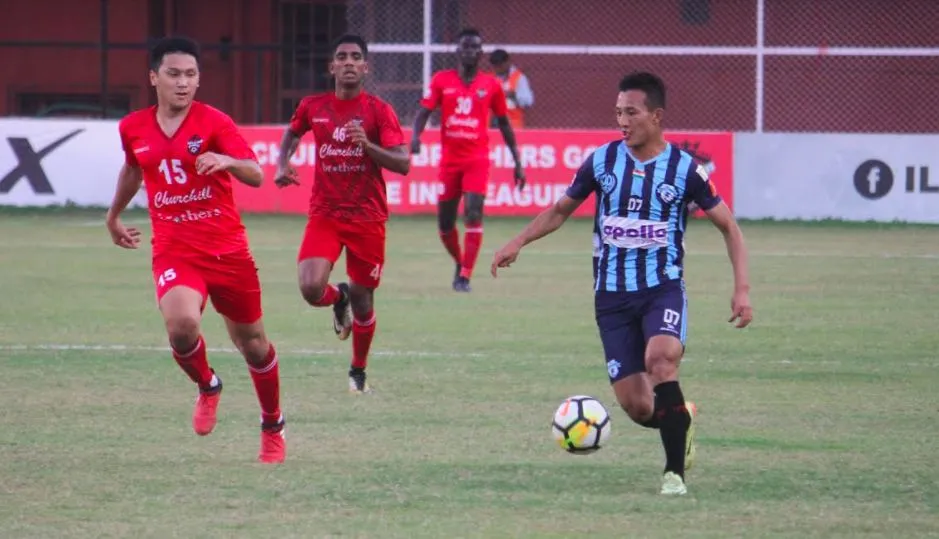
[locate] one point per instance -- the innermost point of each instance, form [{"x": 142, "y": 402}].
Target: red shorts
[
  {"x": 364, "y": 242},
  {"x": 230, "y": 281},
  {"x": 465, "y": 177}
]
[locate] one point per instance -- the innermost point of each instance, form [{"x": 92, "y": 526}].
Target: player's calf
[
  {"x": 363, "y": 331},
  {"x": 472, "y": 239},
  {"x": 252, "y": 343},
  {"x": 663, "y": 354},
  {"x": 261, "y": 358},
  {"x": 635, "y": 398},
  {"x": 182, "y": 314}
]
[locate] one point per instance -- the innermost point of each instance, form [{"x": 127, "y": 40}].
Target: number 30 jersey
[
  {"x": 191, "y": 214},
  {"x": 464, "y": 114}
]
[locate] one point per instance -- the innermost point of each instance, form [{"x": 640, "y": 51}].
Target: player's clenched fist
[
  {"x": 356, "y": 134},
  {"x": 505, "y": 256},
  {"x": 127, "y": 238},
  {"x": 209, "y": 163},
  {"x": 286, "y": 176}
]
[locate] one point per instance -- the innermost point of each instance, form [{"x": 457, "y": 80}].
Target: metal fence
[{"x": 741, "y": 65}]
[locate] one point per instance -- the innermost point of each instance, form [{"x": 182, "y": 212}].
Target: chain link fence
[{"x": 740, "y": 65}]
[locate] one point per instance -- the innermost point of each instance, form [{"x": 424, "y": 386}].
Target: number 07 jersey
[
  {"x": 191, "y": 214},
  {"x": 642, "y": 213}
]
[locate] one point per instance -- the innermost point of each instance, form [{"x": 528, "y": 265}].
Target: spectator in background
[{"x": 518, "y": 94}]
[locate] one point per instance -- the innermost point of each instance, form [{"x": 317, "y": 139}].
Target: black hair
[
  {"x": 351, "y": 38},
  {"x": 648, "y": 83},
  {"x": 498, "y": 56},
  {"x": 468, "y": 32},
  {"x": 170, "y": 45}
]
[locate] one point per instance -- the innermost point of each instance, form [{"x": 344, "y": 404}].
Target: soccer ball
[{"x": 581, "y": 425}]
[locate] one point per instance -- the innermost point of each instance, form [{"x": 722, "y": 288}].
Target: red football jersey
[
  {"x": 347, "y": 184},
  {"x": 191, "y": 214},
  {"x": 464, "y": 113}
]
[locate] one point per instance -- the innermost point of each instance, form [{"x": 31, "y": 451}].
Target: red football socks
[
  {"x": 195, "y": 364},
  {"x": 362, "y": 333},
  {"x": 330, "y": 296},
  {"x": 451, "y": 240},
  {"x": 473, "y": 240},
  {"x": 266, "y": 378}
]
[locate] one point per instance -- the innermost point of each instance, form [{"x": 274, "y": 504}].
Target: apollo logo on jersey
[{"x": 626, "y": 233}]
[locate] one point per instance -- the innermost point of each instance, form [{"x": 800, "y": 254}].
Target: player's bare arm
[
  {"x": 247, "y": 171},
  {"x": 420, "y": 122},
  {"x": 545, "y": 223},
  {"x": 508, "y": 134},
  {"x": 128, "y": 184},
  {"x": 396, "y": 158},
  {"x": 286, "y": 174},
  {"x": 740, "y": 306}
]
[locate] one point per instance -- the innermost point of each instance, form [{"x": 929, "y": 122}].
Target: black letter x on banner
[{"x": 29, "y": 166}]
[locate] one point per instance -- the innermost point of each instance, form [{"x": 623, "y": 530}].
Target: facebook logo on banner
[{"x": 873, "y": 179}]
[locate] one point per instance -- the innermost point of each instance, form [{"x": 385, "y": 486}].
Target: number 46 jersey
[{"x": 191, "y": 214}]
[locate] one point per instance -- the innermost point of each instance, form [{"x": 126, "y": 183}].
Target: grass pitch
[{"x": 818, "y": 421}]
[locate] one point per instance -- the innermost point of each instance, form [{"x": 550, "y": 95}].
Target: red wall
[
  {"x": 228, "y": 84},
  {"x": 64, "y": 70},
  {"x": 808, "y": 93}
]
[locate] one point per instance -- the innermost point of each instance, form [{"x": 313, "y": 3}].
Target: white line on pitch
[
  {"x": 399, "y": 353},
  {"x": 530, "y": 252},
  {"x": 219, "y": 350}
]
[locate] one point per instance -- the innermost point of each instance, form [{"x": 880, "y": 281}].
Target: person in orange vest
[{"x": 518, "y": 94}]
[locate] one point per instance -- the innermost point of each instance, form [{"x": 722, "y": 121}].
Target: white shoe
[
  {"x": 358, "y": 385},
  {"x": 673, "y": 485}
]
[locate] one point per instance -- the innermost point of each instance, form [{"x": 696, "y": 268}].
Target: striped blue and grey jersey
[{"x": 641, "y": 213}]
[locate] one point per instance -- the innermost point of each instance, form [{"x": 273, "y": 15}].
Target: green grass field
[{"x": 818, "y": 421}]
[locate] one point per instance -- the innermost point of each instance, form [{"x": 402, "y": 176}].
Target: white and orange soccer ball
[{"x": 581, "y": 425}]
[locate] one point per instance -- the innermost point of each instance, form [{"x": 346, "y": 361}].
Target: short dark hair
[
  {"x": 354, "y": 39},
  {"x": 468, "y": 32},
  {"x": 170, "y": 45},
  {"x": 651, "y": 84},
  {"x": 499, "y": 56}
]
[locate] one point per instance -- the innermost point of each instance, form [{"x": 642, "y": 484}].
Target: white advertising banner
[
  {"x": 832, "y": 176},
  {"x": 47, "y": 162}
]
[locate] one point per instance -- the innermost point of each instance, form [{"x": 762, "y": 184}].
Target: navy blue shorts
[{"x": 627, "y": 320}]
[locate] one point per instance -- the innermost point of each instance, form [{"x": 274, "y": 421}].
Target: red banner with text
[{"x": 549, "y": 157}]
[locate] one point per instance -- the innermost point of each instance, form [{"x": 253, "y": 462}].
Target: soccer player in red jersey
[
  {"x": 186, "y": 152},
  {"x": 465, "y": 97},
  {"x": 357, "y": 135}
]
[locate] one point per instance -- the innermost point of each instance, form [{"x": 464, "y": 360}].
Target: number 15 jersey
[{"x": 191, "y": 214}]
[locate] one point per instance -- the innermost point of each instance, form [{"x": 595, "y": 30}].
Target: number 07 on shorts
[{"x": 364, "y": 242}]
